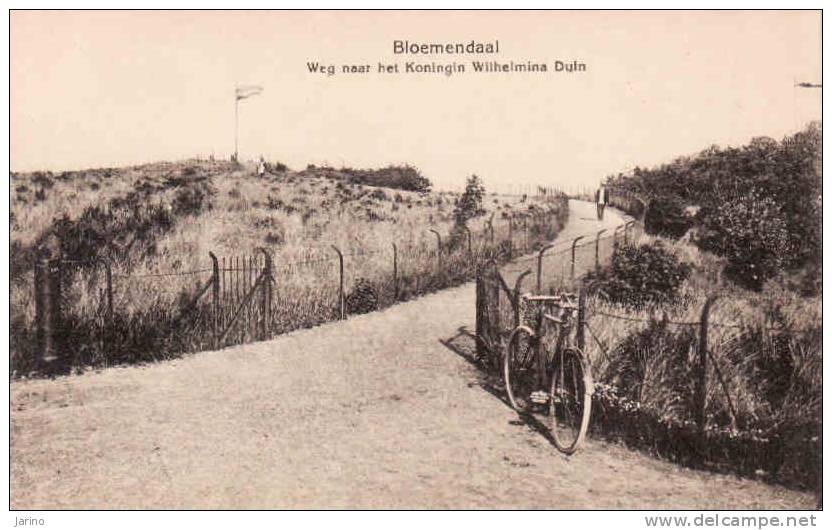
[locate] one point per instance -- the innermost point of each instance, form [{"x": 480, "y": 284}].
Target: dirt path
[{"x": 374, "y": 412}]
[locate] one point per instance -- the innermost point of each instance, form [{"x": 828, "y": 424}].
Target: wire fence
[
  {"x": 709, "y": 344},
  {"x": 101, "y": 312}
]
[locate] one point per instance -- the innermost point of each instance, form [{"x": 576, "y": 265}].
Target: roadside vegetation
[
  {"x": 156, "y": 224},
  {"x": 758, "y": 205},
  {"x": 741, "y": 225}
]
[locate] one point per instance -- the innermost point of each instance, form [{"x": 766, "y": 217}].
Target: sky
[{"x": 93, "y": 89}]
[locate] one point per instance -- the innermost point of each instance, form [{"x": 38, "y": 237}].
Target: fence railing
[{"x": 93, "y": 306}]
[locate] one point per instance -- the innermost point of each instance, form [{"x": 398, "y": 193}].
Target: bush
[
  {"x": 363, "y": 297},
  {"x": 653, "y": 367},
  {"x": 752, "y": 233},
  {"x": 643, "y": 275},
  {"x": 470, "y": 203},
  {"x": 277, "y": 167},
  {"x": 379, "y": 195},
  {"x": 788, "y": 172},
  {"x": 666, "y": 217},
  {"x": 405, "y": 177}
]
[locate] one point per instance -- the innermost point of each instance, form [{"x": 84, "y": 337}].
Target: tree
[{"x": 470, "y": 203}]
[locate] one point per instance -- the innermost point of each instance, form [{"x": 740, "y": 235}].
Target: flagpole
[
  {"x": 246, "y": 91},
  {"x": 236, "y": 122}
]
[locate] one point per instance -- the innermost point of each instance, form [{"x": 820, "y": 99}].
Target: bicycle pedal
[{"x": 540, "y": 397}]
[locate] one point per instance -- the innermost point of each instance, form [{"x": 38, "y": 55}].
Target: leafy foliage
[
  {"x": 729, "y": 183},
  {"x": 405, "y": 177},
  {"x": 666, "y": 216},
  {"x": 470, "y": 203},
  {"x": 753, "y": 233},
  {"x": 363, "y": 297},
  {"x": 643, "y": 275}
]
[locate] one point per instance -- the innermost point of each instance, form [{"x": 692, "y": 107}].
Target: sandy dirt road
[{"x": 374, "y": 412}]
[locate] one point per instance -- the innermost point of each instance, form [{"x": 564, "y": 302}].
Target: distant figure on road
[
  {"x": 261, "y": 168},
  {"x": 602, "y": 198}
]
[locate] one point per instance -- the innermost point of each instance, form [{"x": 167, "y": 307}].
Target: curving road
[{"x": 376, "y": 412}]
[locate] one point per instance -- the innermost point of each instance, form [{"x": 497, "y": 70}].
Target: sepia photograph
[{"x": 416, "y": 260}]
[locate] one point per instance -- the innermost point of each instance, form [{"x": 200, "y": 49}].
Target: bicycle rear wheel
[
  {"x": 570, "y": 400},
  {"x": 520, "y": 367}
]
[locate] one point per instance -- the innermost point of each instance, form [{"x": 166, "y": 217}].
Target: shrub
[
  {"x": 379, "y": 195},
  {"x": 752, "y": 233},
  {"x": 654, "y": 367},
  {"x": 278, "y": 167},
  {"x": 788, "y": 172},
  {"x": 405, "y": 177},
  {"x": 643, "y": 275},
  {"x": 666, "y": 216},
  {"x": 363, "y": 297},
  {"x": 470, "y": 203}
]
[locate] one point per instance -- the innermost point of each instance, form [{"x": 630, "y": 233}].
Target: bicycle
[{"x": 537, "y": 359}]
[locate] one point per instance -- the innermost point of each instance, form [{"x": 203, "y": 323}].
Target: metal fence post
[
  {"x": 702, "y": 379},
  {"x": 215, "y": 299},
  {"x": 525, "y": 236},
  {"x": 468, "y": 231},
  {"x": 597, "y": 244},
  {"x": 342, "y": 308},
  {"x": 540, "y": 266},
  {"x": 627, "y": 227},
  {"x": 511, "y": 236},
  {"x": 108, "y": 275},
  {"x": 395, "y": 273},
  {"x": 574, "y": 244},
  {"x": 438, "y": 247}
]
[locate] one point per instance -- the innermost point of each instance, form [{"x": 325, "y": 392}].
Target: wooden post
[
  {"x": 395, "y": 273},
  {"x": 480, "y": 313},
  {"x": 702, "y": 379},
  {"x": 215, "y": 300},
  {"x": 516, "y": 302},
  {"x": 580, "y": 338},
  {"x": 48, "y": 273},
  {"x": 267, "y": 294},
  {"x": 342, "y": 308}
]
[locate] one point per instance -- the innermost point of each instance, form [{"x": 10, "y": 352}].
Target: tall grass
[
  {"x": 157, "y": 235},
  {"x": 763, "y": 393}
]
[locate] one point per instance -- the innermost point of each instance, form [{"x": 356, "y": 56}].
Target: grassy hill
[{"x": 156, "y": 224}]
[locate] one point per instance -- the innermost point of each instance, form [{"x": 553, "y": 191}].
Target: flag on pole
[{"x": 246, "y": 91}]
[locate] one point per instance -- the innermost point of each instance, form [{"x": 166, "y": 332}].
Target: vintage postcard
[{"x": 416, "y": 260}]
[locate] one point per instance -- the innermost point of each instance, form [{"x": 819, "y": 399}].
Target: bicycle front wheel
[
  {"x": 570, "y": 400},
  {"x": 520, "y": 367}
]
